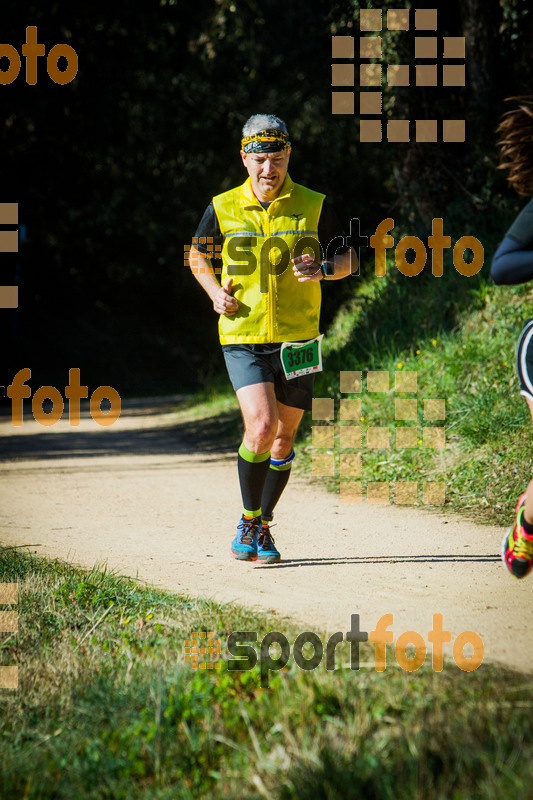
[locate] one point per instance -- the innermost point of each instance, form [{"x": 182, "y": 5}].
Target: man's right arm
[
  {"x": 209, "y": 232},
  {"x": 223, "y": 301}
]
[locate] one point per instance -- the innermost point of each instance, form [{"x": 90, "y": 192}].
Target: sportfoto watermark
[
  {"x": 31, "y": 50},
  {"x": 246, "y": 657},
  {"x": 74, "y": 392},
  {"x": 275, "y": 254}
]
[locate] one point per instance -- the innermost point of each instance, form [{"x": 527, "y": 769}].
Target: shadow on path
[
  {"x": 212, "y": 435},
  {"x": 410, "y": 559}
]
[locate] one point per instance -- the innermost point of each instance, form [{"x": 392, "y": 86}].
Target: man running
[
  {"x": 512, "y": 264},
  {"x": 264, "y": 302}
]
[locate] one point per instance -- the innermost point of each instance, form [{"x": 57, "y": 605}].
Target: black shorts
[
  {"x": 524, "y": 360},
  {"x": 261, "y": 363}
]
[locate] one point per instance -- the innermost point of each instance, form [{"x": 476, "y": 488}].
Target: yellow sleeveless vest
[{"x": 257, "y": 252}]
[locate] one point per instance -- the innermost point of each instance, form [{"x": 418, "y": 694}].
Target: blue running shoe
[
  {"x": 266, "y": 547},
  {"x": 244, "y": 546}
]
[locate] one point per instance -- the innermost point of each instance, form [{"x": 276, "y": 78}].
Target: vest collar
[{"x": 248, "y": 197}]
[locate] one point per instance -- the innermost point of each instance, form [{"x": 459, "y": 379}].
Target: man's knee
[
  {"x": 261, "y": 430},
  {"x": 283, "y": 444},
  {"x": 265, "y": 429}
]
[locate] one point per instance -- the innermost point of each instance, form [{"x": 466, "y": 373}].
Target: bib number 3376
[{"x": 301, "y": 358}]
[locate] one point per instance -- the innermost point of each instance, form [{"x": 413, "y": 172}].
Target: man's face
[{"x": 267, "y": 172}]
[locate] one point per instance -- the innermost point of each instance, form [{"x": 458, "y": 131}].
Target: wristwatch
[{"x": 327, "y": 269}]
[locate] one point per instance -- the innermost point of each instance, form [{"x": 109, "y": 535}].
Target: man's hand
[
  {"x": 306, "y": 268},
  {"x": 223, "y": 301}
]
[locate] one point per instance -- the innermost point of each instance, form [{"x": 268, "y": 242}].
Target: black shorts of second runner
[
  {"x": 261, "y": 363},
  {"x": 524, "y": 360}
]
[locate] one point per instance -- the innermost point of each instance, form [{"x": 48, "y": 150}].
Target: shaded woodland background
[{"x": 112, "y": 172}]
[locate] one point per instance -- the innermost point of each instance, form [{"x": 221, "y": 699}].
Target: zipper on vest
[
  {"x": 265, "y": 265},
  {"x": 272, "y": 285}
]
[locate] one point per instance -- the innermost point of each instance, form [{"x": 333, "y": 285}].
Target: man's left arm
[
  {"x": 344, "y": 263},
  {"x": 306, "y": 268}
]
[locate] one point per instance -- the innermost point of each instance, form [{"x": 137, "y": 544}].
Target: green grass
[{"x": 107, "y": 708}]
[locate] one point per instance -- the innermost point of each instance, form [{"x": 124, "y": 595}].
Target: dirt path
[{"x": 137, "y": 496}]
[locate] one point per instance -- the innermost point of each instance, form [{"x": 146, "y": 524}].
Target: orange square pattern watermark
[
  {"x": 9, "y": 624},
  {"x": 415, "y": 426},
  {"x": 202, "y": 650},
  {"x": 376, "y": 74},
  {"x": 9, "y": 243}
]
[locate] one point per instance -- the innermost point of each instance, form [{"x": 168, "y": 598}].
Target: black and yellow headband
[{"x": 269, "y": 141}]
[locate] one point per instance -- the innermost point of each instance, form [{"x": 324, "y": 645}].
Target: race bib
[{"x": 301, "y": 358}]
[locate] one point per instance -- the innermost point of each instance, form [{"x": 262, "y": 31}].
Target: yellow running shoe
[{"x": 517, "y": 545}]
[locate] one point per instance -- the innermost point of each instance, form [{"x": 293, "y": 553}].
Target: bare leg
[
  {"x": 260, "y": 414},
  {"x": 288, "y": 420}
]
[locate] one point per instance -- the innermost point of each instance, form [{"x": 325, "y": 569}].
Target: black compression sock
[
  {"x": 276, "y": 481},
  {"x": 253, "y": 469}
]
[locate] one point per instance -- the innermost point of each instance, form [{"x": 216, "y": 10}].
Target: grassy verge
[{"x": 107, "y": 708}]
